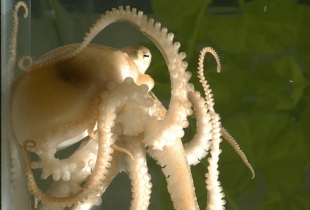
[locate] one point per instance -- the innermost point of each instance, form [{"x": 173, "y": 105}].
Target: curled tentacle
[
  {"x": 21, "y": 64},
  {"x": 209, "y": 97},
  {"x": 215, "y": 196},
  {"x": 14, "y": 37},
  {"x": 205, "y": 85}
]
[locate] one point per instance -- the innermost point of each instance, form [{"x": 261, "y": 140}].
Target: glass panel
[{"x": 8, "y": 70}]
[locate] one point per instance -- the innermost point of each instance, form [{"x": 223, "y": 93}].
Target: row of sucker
[
  {"x": 13, "y": 47},
  {"x": 18, "y": 185},
  {"x": 96, "y": 200},
  {"x": 126, "y": 106},
  {"x": 205, "y": 85},
  {"x": 92, "y": 187},
  {"x": 164, "y": 41},
  {"x": 236, "y": 147},
  {"x": 199, "y": 146},
  {"x": 134, "y": 102},
  {"x": 72, "y": 167},
  {"x": 134, "y": 115},
  {"x": 77, "y": 167},
  {"x": 138, "y": 173},
  {"x": 215, "y": 194}
]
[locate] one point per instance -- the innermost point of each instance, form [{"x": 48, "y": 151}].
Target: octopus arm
[
  {"x": 236, "y": 147},
  {"x": 19, "y": 182},
  {"x": 12, "y": 60},
  {"x": 176, "y": 170},
  {"x": 179, "y": 77},
  {"x": 143, "y": 121},
  {"x": 60, "y": 189},
  {"x": 138, "y": 173},
  {"x": 199, "y": 146},
  {"x": 210, "y": 103},
  {"x": 175, "y": 163},
  {"x": 19, "y": 189},
  {"x": 215, "y": 195},
  {"x": 106, "y": 108},
  {"x": 116, "y": 167}
]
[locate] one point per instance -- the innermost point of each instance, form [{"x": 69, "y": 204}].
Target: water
[{"x": 262, "y": 93}]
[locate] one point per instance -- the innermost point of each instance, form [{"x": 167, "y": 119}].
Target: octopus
[{"x": 102, "y": 98}]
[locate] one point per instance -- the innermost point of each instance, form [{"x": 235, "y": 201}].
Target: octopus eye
[{"x": 146, "y": 56}]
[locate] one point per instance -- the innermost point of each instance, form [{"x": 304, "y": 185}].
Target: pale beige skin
[
  {"x": 86, "y": 90},
  {"x": 59, "y": 94}
]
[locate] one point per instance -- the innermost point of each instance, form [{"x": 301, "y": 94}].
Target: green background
[{"x": 262, "y": 94}]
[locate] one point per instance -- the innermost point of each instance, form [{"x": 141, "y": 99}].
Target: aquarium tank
[{"x": 262, "y": 95}]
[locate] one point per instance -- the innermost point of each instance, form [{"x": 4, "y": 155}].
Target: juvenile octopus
[{"x": 101, "y": 96}]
